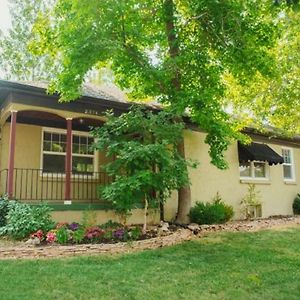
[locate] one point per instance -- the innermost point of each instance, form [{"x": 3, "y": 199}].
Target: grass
[{"x": 261, "y": 265}]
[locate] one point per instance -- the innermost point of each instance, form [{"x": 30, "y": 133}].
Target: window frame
[
  {"x": 74, "y": 175},
  {"x": 252, "y": 171},
  {"x": 291, "y": 164}
]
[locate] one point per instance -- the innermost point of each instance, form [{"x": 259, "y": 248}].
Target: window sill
[
  {"x": 288, "y": 182},
  {"x": 62, "y": 177},
  {"x": 255, "y": 181}
]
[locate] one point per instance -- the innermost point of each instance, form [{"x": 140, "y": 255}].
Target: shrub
[
  {"x": 216, "y": 212},
  {"x": 24, "y": 219},
  {"x": 110, "y": 225},
  {"x": 63, "y": 235},
  {"x": 3, "y": 210},
  {"x": 135, "y": 233},
  {"x": 79, "y": 235},
  {"x": 296, "y": 205}
]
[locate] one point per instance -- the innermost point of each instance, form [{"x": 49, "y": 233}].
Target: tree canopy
[
  {"x": 16, "y": 61},
  {"x": 275, "y": 101},
  {"x": 178, "y": 52}
]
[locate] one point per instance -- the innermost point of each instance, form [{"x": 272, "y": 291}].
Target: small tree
[
  {"x": 146, "y": 165},
  {"x": 251, "y": 200}
]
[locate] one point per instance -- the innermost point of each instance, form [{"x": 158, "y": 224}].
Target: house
[{"x": 45, "y": 155}]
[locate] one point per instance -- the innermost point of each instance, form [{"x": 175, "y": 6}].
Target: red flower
[{"x": 39, "y": 234}]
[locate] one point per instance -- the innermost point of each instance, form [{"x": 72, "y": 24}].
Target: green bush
[
  {"x": 216, "y": 212},
  {"x": 3, "y": 210},
  {"x": 62, "y": 235},
  {"x": 296, "y": 205},
  {"x": 24, "y": 219},
  {"x": 78, "y": 235}
]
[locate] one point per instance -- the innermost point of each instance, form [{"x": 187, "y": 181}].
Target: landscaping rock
[
  {"x": 163, "y": 229},
  {"x": 74, "y": 250},
  {"x": 194, "y": 227},
  {"x": 33, "y": 241},
  {"x": 164, "y": 226}
]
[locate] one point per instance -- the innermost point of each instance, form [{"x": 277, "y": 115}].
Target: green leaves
[
  {"x": 174, "y": 52},
  {"x": 16, "y": 61},
  {"x": 23, "y": 219},
  {"x": 146, "y": 163}
]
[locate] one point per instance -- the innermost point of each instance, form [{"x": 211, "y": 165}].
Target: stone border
[
  {"x": 247, "y": 226},
  {"x": 58, "y": 251},
  {"x": 192, "y": 231}
]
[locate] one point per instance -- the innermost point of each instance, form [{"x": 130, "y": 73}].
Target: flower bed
[{"x": 110, "y": 232}]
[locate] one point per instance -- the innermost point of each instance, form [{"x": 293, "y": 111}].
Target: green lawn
[{"x": 263, "y": 265}]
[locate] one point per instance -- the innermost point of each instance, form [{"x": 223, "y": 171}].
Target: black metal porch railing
[{"x": 35, "y": 185}]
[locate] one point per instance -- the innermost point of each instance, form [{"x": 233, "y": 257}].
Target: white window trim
[
  {"x": 252, "y": 170},
  {"x": 292, "y": 164},
  {"x": 62, "y": 175}
]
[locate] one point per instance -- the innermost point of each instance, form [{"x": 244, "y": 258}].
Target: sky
[{"x": 4, "y": 16}]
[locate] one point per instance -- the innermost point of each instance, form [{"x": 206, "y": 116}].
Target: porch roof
[{"x": 94, "y": 100}]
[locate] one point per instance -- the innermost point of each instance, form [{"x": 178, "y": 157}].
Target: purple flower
[
  {"x": 74, "y": 226},
  {"x": 119, "y": 233}
]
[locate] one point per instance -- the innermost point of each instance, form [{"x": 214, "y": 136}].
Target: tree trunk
[
  {"x": 184, "y": 193},
  {"x": 145, "y": 216},
  {"x": 184, "y": 196}
]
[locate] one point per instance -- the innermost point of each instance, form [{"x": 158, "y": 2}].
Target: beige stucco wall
[
  {"x": 207, "y": 180},
  {"x": 277, "y": 196},
  {"x": 102, "y": 216}
]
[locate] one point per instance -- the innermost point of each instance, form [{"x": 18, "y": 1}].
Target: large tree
[
  {"x": 179, "y": 52},
  {"x": 16, "y": 61},
  {"x": 275, "y": 100}
]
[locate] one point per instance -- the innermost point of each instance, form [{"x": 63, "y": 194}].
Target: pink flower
[
  {"x": 94, "y": 232},
  {"x": 51, "y": 237}
]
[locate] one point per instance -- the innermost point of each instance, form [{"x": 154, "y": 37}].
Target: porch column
[
  {"x": 11, "y": 153},
  {"x": 68, "y": 162}
]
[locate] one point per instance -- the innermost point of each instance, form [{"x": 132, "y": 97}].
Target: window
[
  {"x": 288, "y": 164},
  {"x": 254, "y": 170},
  {"x": 54, "y": 152},
  {"x": 82, "y": 154}
]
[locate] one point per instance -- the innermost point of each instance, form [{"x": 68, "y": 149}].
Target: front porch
[
  {"x": 54, "y": 164},
  {"x": 33, "y": 186}
]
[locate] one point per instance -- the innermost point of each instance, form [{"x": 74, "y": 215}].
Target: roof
[
  {"x": 106, "y": 92},
  {"x": 97, "y": 99}
]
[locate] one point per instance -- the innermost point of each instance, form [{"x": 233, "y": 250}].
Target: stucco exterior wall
[
  {"x": 102, "y": 216},
  {"x": 277, "y": 195},
  {"x": 206, "y": 180}
]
